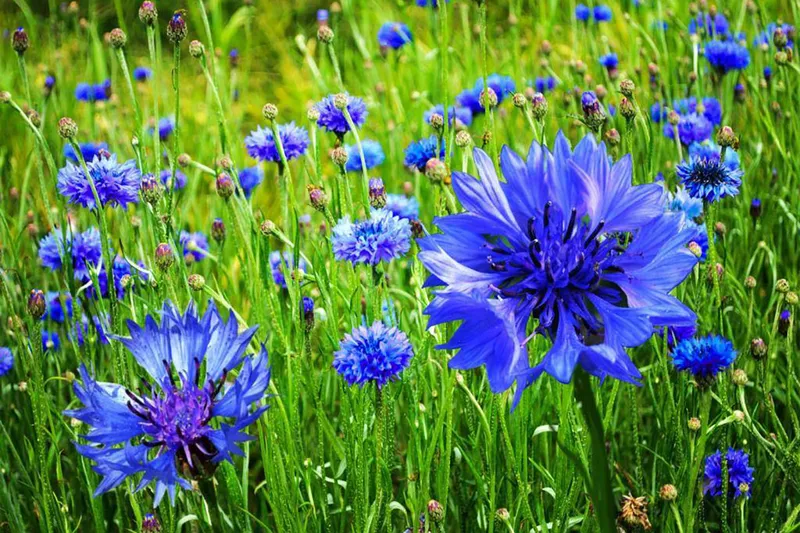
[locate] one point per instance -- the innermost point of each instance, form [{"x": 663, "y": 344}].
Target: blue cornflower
[
  {"x": 602, "y": 13},
  {"x": 402, "y": 206},
  {"x": 120, "y": 268},
  {"x": 50, "y": 341},
  {"x": 88, "y": 151},
  {"x": 142, "y": 74},
  {"x": 544, "y": 84},
  {"x": 708, "y": 178},
  {"x": 373, "y": 354},
  {"x": 704, "y": 23},
  {"x": 462, "y": 115},
  {"x": 609, "y": 61},
  {"x": 382, "y": 237},
  {"x": 49, "y": 83},
  {"x": 740, "y": 473},
  {"x": 394, "y": 35},
  {"x": 333, "y": 120},
  {"x": 582, "y": 13},
  {"x": 471, "y": 98},
  {"x": 683, "y": 202},
  {"x": 711, "y": 150},
  {"x": 280, "y": 264},
  {"x": 85, "y": 92},
  {"x": 56, "y": 303},
  {"x": 764, "y": 39},
  {"x": 250, "y": 178},
  {"x": 728, "y": 55},
  {"x": 373, "y": 155},
  {"x": 82, "y": 330},
  {"x": 166, "y": 126},
  {"x": 180, "y": 178},
  {"x": 677, "y": 334},
  {"x": 116, "y": 183},
  {"x": 195, "y": 246},
  {"x": 187, "y": 421},
  {"x": 6, "y": 361},
  {"x": 85, "y": 249},
  {"x": 418, "y": 153},
  {"x": 545, "y": 243},
  {"x": 692, "y": 128},
  {"x": 658, "y": 112},
  {"x": 261, "y": 145},
  {"x": 426, "y": 3},
  {"x": 704, "y": 357}
]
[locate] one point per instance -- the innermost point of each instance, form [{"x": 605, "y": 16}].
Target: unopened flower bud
[
  {"x": 791, "y": 298},
  {"x": 463, "y": 139},
  {"x": 37, "y": 305},
  {"x": 117, "y": 38},
  {"x": 626, "y": 87},
  {"x": 694, "y": 424},
  {"x": 164, "y": 256},
  {"x": 317, "y": 198},
  {"x": 750, "y": 282},
  {"x": 313, "y": 114},
  {"x": 20, "y": 41},
  {"x": 340, "y": 101},
  {"x": 488, "y": 98},
  {"x": 755, "y": 209},
  {"x": 67, "y": 128},
  {"x": 225, "y": 186},
  {"x": 519, "y": 100},
  {"x": 436, "y": 170},
  {"x": 196, "y": 49},
  {"x": 150, "y": 524},
  {"x": 782, "y": 286},
  {"x": 184, "y": 160},
  {"x": 176, "y": 27},
  {"x": 502, "y": 515},
  {"x": 151, "y": 189},
  {"x": 437, "y": 122},
  {"x": 339, "y": 156},
  {"x": 268, "y": 228},
  {"x": 612, "y": 137},
  {"x": 325, "y": 34},
  {"x": 779, "y": 39},
  {"x": 673, "y": 117},
  {"x": 218, "y": 230},
  {"x": 270, "y": 112},
  {"x": 758, "y": 349},
  {"x": 435, "y": 511},
  {"x": 627, "y": 109},
  {"x": 148, "y": 13},
  {"x": 739, "y": 377},
  {"x": 668, "y": 492},
  {"x": 5, "y": 97},
  {"x": 538, "y": 106},
  {"x": 726, "y": 137},
  {"x": 196, "y": 282},
  {"x": 377, "y": 193}
]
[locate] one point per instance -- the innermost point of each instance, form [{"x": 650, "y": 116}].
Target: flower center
[{"x": 708, "y": 172}]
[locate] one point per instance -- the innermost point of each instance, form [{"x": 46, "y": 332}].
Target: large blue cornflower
[
  {"x": 740, "y": 473},
  {"x": 418, "y": 153},
  {"x": 382, "y": 237},
  {"x": 116, "y": 183},
  {"x": 85, "y": 249},
  {"x": 692, "y": 128},
  {"x": 57, "y": 303},
  {"x": 6, "y": 361},
  {"x": 373, "y": 155},
  {"x": 186, "y": 421},
  {"x": 250, "y": 178},
  {"x": 261, "y": 145},
  {"x": 394, "y": 35},
  {"x": 281, "y": 264},
  {"x": 333, "y": 120},
  {"x": 373, "y": 354},
  {"x": 565, "y": 245},
  {"x": 708, "y": 178},
  {"x": 195, "y": 246},
  {"x": 502, "y": 86},
  {"x": 402, "y": 206},
  {"x": 728, "y": 55},
  {"x": 142, "y": 74},
  {"x": 461, "y": 115},
  {"x": 705, "y": 356},
  {"x": 180, "y": 179},
  {"x": 88, "y": 151}
]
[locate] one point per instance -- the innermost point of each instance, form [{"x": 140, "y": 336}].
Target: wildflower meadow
[{"x": 399, "y": 266}]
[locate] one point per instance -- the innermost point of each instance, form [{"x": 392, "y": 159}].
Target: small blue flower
[
  {"x": 462, "y": 115},
  {"x": 85, "y": 92},
  {"x": 373, "y": 155},
  {"x": 704, "y": 357},
  {"x": 83, "y": 328},
  {"x": 394, "y": 35},
  {"x": 180, "y": 178},
  {"x": 658, "y": 112},
  {"x": 376, "y": 354},
  {"x": 728, "y": 55},
  {"x": 709, "y": 179},
  {"x": 431, "y": 3},
  {"x": 740, "y": 473},
  {"x": 261, "y": 145},
  {"x": 602, "y": 13},
  {"x": 88, "y": 151},
  {"x": 56, "y": 303},
  {"x": 402, "y": 206},
  {"x": 418, "y": 153},
  {"x": 166, "y": 125},
  {"x": 704, "y": 23},
  {"x": 116, "y": 183},
  {"x": 333, "y": 120},
  {"x": 50, "y": 341},
  {"x": 85, "y": 248},
  {"x": 609, "y": 61},
  {"x": 544, "y": 84},
  {"x": 471, "y": 98},
  {"x": 692, "y": 128},
  {"x": 682, "y": 202},
  {"x": 382, "y": 237},
  {"x": 6, "y": 361},
  {"x": 187, "y": 421},
  {"x": 582, "y": 13},
  {"x": 195, "y": 246},
  {"x": 250, "y": 178},
  {"x": 711, "y": 150},
  {"x": 142, "y": 74},
  {"x": 280, "y": 264}
]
